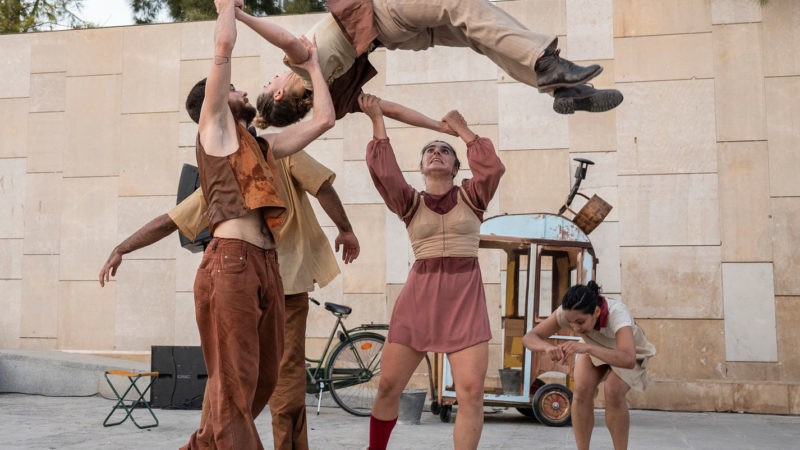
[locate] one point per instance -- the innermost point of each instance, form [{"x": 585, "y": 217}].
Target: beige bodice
[{"x": 455, "y": 233}]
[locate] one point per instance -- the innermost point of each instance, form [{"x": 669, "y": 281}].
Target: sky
[{"x": 107, "y": 13}]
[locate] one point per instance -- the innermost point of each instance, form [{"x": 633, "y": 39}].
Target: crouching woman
[{"x": 612, "y": 349}]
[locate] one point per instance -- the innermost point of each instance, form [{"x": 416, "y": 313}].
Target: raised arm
[
  {"x": 382, "y": 164},
  {"x": 485, "y": 165},
  {"x": 152, "y": 232},
  {"x": 413, "y": 117},
  {"x": 276, "y": 35},
  {"x": 371, "y": 105},
  {"x": 217, "y": 127},
  {"x": 330, "y": 202},
  {"x": 297, "y": 136}
]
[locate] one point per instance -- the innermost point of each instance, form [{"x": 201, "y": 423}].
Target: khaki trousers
[
  {"x": 477, "y": 24},
  {"x": 240, "y": 316}
]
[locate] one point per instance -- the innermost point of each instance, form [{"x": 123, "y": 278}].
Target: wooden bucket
[{"x": 592, "y": 214}]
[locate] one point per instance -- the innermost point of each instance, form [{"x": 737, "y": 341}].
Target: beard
[{"x": 244, "y": 112}]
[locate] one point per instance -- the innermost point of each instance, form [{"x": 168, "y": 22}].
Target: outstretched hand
[
  {"x": 370, "y": 105},
  {"x": 446, "y": 129},
  {"x": 312, "y": 61},
  {"x": 110, "y": 267},
  {"x": 457, "y": 123},
  {"x": 220, "y": 4},
  {"x": 454, "y": 120},
  {"x": 555, "y": 353},
  {"x": 572, "y": 348},
  {"x": 349, "y": 244},
  {"x": 238, "y": 8}
]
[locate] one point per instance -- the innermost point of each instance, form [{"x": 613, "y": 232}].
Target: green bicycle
[{"x": 353, "y": 370}]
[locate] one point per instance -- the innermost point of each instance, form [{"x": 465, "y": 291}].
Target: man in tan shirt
[{"x": 305, "y": 258}]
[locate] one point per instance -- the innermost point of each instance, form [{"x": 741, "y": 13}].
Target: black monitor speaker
[
  {"x": 189, "y": 182},
  {"x": 182, "y": 377}
]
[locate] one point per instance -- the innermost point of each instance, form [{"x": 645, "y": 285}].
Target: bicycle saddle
[{"x": 338, "y": 309}]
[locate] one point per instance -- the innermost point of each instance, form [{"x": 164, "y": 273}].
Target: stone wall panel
[
  {"x": 86, "y": 316},
  {"x": 94, "y": 127},
  {"x": 653, "y": 139},
  {"x": 39, "y": 311},
  {"x": 782, "y": 119},
  {"x": 11, "y": 304},
  {"x": 785, "y": 242},
  {"x": 687, "y": 350},
  {"x": 88, "y": 215},
  {"x": 540, "y": 178},
  {"x": 15, "y": 52},
  {"x": 739, "y": 83},
  {"x": 42, "y": 213},
  {"x": 672, "y": 282},
  {"x": 669, "y": 210},
  {"x": 148, "y": 154},
  {"x": 47, "y": 133},
  {"x": 745, "y": 216},
  {"x": 14, "y": 127},
  {"x": 654, "y": 17},
  {"x": 12, "y": 198}
]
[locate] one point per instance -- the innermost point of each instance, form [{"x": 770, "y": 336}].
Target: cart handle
[
  {"x": 580, "y": 174},
  {"x": 564, "y": 338}
]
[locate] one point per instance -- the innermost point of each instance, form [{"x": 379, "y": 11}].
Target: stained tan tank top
[
  {"x": 240, "y": 182},
  {"x": 455, "y": 233}
]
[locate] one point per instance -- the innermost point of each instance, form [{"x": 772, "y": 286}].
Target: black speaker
[
  {"x": 189, "y": 182},
  {"x": 182, "y": 377}
]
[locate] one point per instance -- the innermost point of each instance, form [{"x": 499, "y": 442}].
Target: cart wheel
[
  {"x": 435, "y": 408},
  {"x": 528, "y": 411},
  {"x": 552, "y": 405},
  {"x": 445, "y": 412},
  {"x": 537, "y": 383}
]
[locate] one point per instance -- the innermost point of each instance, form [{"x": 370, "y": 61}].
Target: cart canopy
[{"x": 533, "y": 227}]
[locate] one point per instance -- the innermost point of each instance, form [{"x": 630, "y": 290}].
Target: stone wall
[{"x": 699, "y": 163}]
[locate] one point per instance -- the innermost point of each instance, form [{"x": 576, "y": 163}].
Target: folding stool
[{"x": 133, "y": 377}]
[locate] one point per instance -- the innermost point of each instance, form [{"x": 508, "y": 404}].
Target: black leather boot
[
  {"x": 553, "y": 71},
  {"x": 585, "y": 97}
]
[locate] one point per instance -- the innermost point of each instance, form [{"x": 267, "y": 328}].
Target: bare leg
[
  {"x": 469, "y": 371},
  {"x": 587, "y": 377},
  {"x": 398, "y": 363},
  {"x": 618, "y": 419}
]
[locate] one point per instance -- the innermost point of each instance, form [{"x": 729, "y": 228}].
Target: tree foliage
[
  {"x": 22, "y": 16},
  {"x": 146, "y": 11}
]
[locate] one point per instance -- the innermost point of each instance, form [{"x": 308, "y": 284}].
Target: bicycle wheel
[{"x": 355, "y": 370}]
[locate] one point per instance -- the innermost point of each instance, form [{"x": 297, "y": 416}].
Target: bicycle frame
[{"x": 317, "y": 376}]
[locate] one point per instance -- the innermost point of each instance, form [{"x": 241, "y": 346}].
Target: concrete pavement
[{"x": 40, "y": 422}]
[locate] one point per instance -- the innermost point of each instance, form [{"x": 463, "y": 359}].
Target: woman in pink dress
[{"x": 442, "y": 307}]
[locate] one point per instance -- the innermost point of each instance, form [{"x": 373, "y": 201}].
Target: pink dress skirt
[{"x": 442, "y": 307}]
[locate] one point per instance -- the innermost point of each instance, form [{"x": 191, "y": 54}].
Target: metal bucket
[
  {"x": 412, "y": 402},
  {"x": 511, "y": 381},
  {"x": 592, "y": 214}
]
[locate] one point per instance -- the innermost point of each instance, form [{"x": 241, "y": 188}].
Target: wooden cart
[{"x": 545, "y": 255}]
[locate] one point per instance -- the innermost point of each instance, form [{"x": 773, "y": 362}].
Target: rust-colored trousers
[
  {"x": 288, "y": 403},
  {"x": 240, "y": 315}
]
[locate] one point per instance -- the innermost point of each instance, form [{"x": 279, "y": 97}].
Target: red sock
[{"x": 379, "y": 432}]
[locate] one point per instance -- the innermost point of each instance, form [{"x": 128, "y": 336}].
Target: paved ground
[{"x": 37, "y": 422}]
